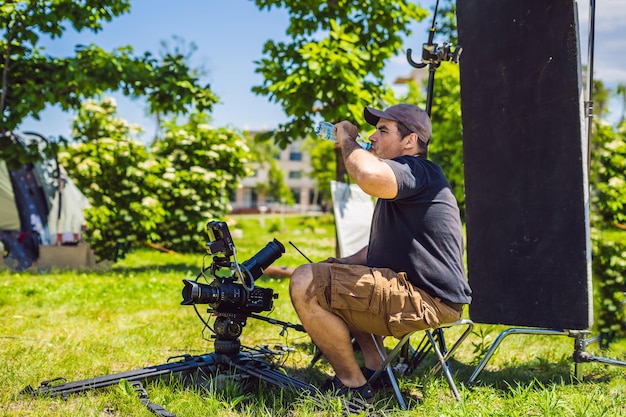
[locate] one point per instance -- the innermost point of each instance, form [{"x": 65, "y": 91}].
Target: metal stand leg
[
  {"x": 580, "y": 344},
  {"x": 581, "y": 356},
  {"x": 192, "y": 368},
  {"x": 501, "y": 337},
  {"x": 444, "y": 365}
]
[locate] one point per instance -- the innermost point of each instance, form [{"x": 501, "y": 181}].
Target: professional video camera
[
  {"x": 231, "y": 302},
  {"x": 223, "y": 295}
]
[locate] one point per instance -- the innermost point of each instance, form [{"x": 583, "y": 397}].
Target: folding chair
[{"x": 409, "y": 358}]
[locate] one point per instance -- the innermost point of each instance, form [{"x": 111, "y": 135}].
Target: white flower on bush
[
  {"x": 197, "y": 170},
  {"x": 150, "y": 202},
  {"x": 616, "y": 182},
  {"x": 148, "y": 164}
]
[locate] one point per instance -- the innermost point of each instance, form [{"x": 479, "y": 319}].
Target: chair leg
[
  {"x": 386, "y": 365},
  {"x": 437, "y": 344},
  {"x": 469, "y": 326},
  {"x": 444, "y": 365}
]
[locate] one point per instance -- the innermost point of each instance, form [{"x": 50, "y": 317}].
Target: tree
[
  {"x": 333, "y": 67},
  {"x": 202, "y": 165},
  {"x": 323, "y": 167},
  {"x": 31, "y": 80},
  {"x": 119, "y": 178}
]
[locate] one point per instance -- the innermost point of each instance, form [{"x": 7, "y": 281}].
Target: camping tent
[
  {"x": 39, "y": 206},
  {"x": 9, "y": 217}
]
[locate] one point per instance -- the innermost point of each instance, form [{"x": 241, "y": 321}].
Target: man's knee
[{"x": 300, "y": 280}]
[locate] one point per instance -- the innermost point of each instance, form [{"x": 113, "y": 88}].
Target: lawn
[{"x": 85, "y": 324}]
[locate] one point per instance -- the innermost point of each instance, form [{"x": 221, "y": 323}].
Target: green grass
[{"x": 85, "y": 324}]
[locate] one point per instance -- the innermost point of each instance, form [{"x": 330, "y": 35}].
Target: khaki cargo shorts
[{"x": 378, "y": 300}]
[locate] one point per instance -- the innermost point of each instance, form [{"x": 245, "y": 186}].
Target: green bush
[
  {"x": 609, "y": 271},
  {"x": 608, "y": 200},
  {"x": 203, "y": 164},
  {"x": 118, "y": 176},
  {"x": 164, "y": 196}
]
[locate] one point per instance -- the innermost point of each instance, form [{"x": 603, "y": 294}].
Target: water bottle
[{"x": 325, "y": 130}]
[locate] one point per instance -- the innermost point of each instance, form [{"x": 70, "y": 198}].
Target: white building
[{"x": 296, "y": 165}]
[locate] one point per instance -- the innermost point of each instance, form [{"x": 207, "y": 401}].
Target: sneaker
[
  {"x": 336, "y": 387},
  {"x": 382, "y": 382}
]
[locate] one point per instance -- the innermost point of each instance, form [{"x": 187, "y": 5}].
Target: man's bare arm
[{"x": 374, "y": 176}]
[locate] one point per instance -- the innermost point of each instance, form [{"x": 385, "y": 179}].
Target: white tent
[
  {"x": 40, "y": 207},
  {"x": 9, "y": 216}
]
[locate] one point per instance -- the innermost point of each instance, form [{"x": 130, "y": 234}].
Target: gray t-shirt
[{"x": 419, "y": 232}]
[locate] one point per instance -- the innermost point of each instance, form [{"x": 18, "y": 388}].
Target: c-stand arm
[{"x": 433, "y": 55}]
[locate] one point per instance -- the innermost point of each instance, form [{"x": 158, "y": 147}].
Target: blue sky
[{"x": 230, "y": 34}]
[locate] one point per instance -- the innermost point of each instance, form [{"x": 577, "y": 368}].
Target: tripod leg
[
  {"x": 267, "y": 372},
  {"x": 185, "y": 368}
]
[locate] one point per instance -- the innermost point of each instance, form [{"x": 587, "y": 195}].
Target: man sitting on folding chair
[{"x": 410, "y": 276}]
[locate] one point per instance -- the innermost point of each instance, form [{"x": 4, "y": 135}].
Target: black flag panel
[{"x": 525, "y": 163}]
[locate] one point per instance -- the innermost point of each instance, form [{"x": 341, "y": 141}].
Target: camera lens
[
  {"x": 264, "y": 258},
  {"x": 196, "y": 293}
]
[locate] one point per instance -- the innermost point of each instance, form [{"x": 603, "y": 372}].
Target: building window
[
  {"x": 295, "y": 152},
  {"x": 295, "y": 192},
  {"x": 294, "y": 175},
  {"x": 295, "y": 155}
]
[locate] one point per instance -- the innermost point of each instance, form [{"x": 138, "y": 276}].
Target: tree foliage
[
  {"x": 32, "y": 80},
  {"x": 334, "y": 65},
  {"x": 119, "y": 178},
  {"x": 163, "y": 196},
  {"x": 202, "y": 165}
]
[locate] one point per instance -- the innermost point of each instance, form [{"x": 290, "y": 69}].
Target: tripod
[{"x": 229, "y": 358}]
